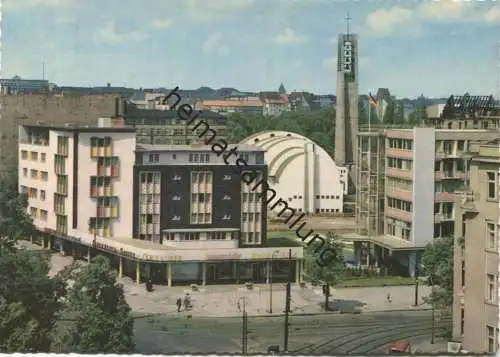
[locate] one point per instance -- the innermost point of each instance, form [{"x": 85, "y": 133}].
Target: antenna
[
  {"x": 347, "y": 19},
  {"x": 43, "y": 70}
]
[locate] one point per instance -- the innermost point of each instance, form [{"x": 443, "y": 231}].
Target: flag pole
[{"x": 369, "y": 165}]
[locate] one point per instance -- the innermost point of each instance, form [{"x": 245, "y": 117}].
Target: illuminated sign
[{"x": 348, "y": 57}]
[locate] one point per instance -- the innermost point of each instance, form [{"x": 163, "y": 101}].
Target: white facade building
[{"x": 301, "y": 172}]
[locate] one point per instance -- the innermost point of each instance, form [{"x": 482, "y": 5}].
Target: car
[{"x": 400, "y": 348}]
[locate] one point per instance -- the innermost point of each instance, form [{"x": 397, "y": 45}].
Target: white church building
[{"x": 301, "y": 172}]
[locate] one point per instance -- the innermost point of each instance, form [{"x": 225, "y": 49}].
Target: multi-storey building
[
  {"x": 477, "y": 226},
  {"x": 171, "y": 213},
  {"x": 232, "y": 105},
  {"x": 165, "y": 128},
  {"x": 407, "y": 180}
]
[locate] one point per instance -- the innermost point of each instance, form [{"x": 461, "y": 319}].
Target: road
[{"x": 365, "y": 333}]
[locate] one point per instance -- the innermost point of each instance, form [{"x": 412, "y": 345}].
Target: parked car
[{"x": 400, "y": 348}]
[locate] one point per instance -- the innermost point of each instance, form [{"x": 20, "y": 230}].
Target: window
[
  {"x": 43, "y": 157},
  {"x": 25, "y": 172},
  {"x": 34, "y": 174},
  {"x": 492, "y": 291},
  {"x": 463, "y": 272},
  {"x": 491, "y": 338},
  {"x": 492, "y": 185},
  {"x": 34, "y": 156},
  {"x": 42, "y": 195},
  {"x": 154, "y": 158},
  {"x": 24, "y": 155},
  {"x": 33, "y": 212},
  {"x": 491, "y": 235},
  {"x": 462, "y": 321},
  {"x": 43, "y": 215},
  {"x": 44, "y": 175}
]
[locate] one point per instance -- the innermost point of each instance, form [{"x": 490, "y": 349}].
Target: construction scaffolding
[{"x": 370, "y": 182}]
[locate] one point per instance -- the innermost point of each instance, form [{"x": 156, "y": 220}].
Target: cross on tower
[{"x": 347, "y": 19}]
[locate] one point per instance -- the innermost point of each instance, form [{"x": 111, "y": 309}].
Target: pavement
[{"x": 222, "y": 300}]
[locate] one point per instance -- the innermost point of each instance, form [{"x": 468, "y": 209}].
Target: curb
[{"x": 282, "y": 314}]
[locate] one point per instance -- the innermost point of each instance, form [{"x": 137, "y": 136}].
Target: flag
[{"x": 372, "y": 101}]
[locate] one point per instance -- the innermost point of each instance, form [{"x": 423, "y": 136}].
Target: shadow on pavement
[{"x": 344, "y": 306}]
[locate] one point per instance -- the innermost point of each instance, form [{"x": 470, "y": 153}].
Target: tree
[
  {"x": 333, "y": 271},
  {"x": 29, "y": 301},
  {"x": 15, "y": 222},
  {"x": 418, "y": 114},
  {"x": 96, "y": 304},
  {"x": 437, "y": 266},
  {"x": 389, "y": 115}
]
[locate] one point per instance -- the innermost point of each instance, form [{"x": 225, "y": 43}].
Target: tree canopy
[
  {"x": 437, "y": 266},
  {"x": 15, "y": 222},
  {"x": 101, "y": 317},
  {"x": 331, "y": 272}
]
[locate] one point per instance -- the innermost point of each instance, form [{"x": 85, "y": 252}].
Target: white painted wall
[
  {"x": 124, "y": 147},
  {"x": 297, "y": 180}
]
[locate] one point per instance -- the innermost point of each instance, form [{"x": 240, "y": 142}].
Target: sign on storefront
[{"x": 170, "y": 258}]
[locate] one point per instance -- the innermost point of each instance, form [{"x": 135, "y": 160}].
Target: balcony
[
  {"x": 403, "y": 154},
  {"x": 400, "y": 194},
  {"x": 399, "y": 173},
  {"x": 444, "y": 197},
  {"x": 467, "y": 201},
  {"x": 450, "y": 175},
  {"x": 62, "y": 190},
  {"x": 398, "y": 214}
]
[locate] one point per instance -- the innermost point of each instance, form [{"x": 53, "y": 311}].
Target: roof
[
  {"x": 132, "y": 112},
  {"x": 231, "y": 103},
  {"x": 273, "y": 98},
  {"x": 197, "y": 148},
  {"x": 460, "y": 105},
  {"x": 82, "y": 129}
]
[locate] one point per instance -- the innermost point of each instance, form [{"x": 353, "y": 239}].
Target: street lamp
[
  {"x": 276, "y": 252},
  {"x": 244, "y": 329}
]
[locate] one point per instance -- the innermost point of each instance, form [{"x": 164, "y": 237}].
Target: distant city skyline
[{"x": 434, "y": 48}]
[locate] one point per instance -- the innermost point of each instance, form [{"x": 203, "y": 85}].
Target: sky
[{"x": 411, "y": 47}]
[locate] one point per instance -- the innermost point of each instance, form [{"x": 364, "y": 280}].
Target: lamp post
[
  {"x": 244, "y": 330},
  {"x": 276, "y": 252}
]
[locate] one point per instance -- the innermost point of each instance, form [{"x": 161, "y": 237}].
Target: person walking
[
  {"x": 389, "y": 298},
  {"x": 179, "y": 304}
]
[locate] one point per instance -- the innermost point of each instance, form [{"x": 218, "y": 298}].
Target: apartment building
[
  {"x": 163, "y": 127},
  {"x": 407, "y": 180},
  {"x": 476, "y": 269},
  {"x": 175, "y": 214},
  {"x": 233, "y": 105}
]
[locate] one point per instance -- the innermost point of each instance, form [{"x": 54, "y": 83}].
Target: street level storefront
[{"x": 184, "y": 266}]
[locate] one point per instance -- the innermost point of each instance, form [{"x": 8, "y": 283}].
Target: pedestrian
[
  {"x": 389, "y": 298},
  {"x": 179, "y": 304},
  {"x": 187, "y": 302},
  {"x": 238, "y": 305}
]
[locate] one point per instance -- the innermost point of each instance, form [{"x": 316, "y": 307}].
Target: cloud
[
  {"x": 161, "y": 24},
  {"x": 288, "y": 36},
  {"x": 384, "y": 22},
  {"x": 213, "y": 44},
  {"x": 205, "y": 11},
  {"x": 493, "y": 15},
  {"x": 443, "y": 10},
  {"x": 22, "y": 4},
  {"x": 399, "y": 20},
  {"x": 108, "y": 34}
]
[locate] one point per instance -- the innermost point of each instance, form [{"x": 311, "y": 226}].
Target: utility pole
[
  {"x": 244, "y": 329},
  {"x": 287, "y": 301},
  {"x": 326, "y": 292},
  {"x": 416, "y": 291}
]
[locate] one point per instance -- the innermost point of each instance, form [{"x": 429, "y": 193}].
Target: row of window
[
  {"x": 63, "y": 145},
  {"x": 32, "y": 192},
  {"x": 404, "y": 144},
  {"x": 401, "y": 230},
  {"x": 190, "y": 236},
  {"x": 250, "y": 217},
  {"x": 150, "y": 177},
  {"x": 33, "y": 156},
  {"x": 251, "y": 237},
  {"x": 201, "y": 177},
  {"x": 36, "y": 175},
  {"x": 399, "y": 204},
  {"x": 401, "y": 164},
  {"x": 38, "y": 213},
  {"x": 201, "y": 218},
  {"x": 398, "y": 183},
  {"x": 324, "y": 210},
  {"x": 199, "y": 157},
  {"x": 201, "y": 198},
  {"x": 99, "y": 223},
  {"x": 100, "y": 142},
  {"x": 250, "y": 197}
]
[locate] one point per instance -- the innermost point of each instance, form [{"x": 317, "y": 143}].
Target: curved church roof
[{"x": 301, "y": 170}]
